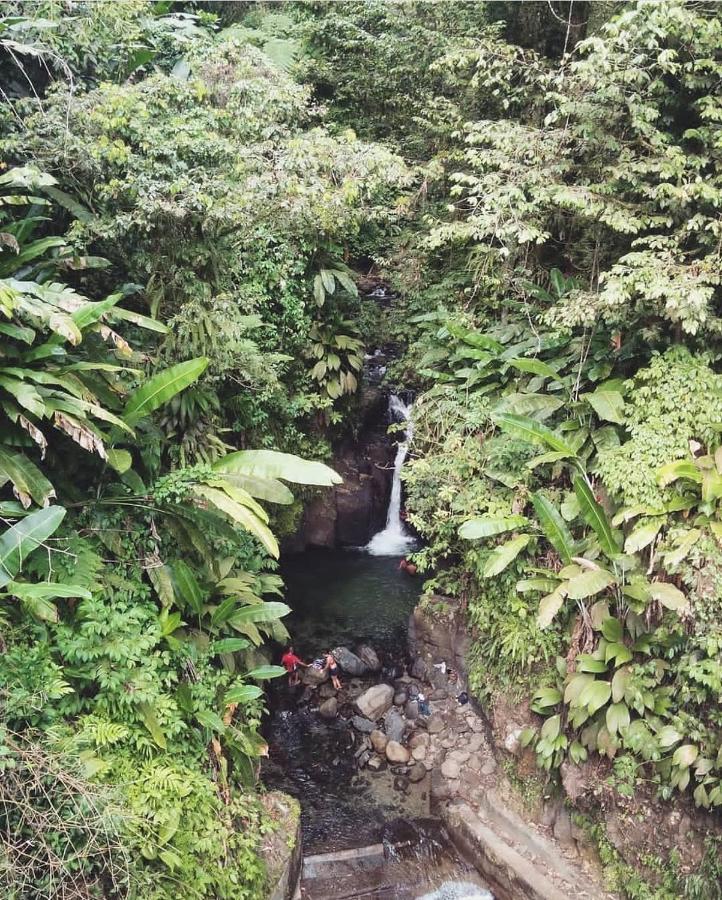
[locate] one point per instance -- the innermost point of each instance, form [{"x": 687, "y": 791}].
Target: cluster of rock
[{"x": 391, "y": 731}]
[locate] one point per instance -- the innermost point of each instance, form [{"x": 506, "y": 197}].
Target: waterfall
[{"x": 394, "y": 540}]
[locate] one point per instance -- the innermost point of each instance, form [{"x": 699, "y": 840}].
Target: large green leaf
[
  {"x": 162, "y": 387},
  {"x": 504, "y": 555},
  {"x": 270, "y": 464},
  {"x": 536, "y": 367},
  {"x": 488, "y": 526},
  {"x": 595, "y": 517},
  {"x": 260, "y": 613},
  {"x": 242, "y": 693},
  {"x": 45, "y": 590},
  {"x": 263, "y": 673},
  {"x": 150, "y": 720},
  {"x": 588, "y": 584},
  {"x": 18, "y": 542},
  {"x": 554, "y": 527},
  {"x": 668, "y": 595},
  {"x": 549, "y": 606},
  {"x": 642, "y": 536},
  {"x": 608, "y": 405},
  {"x": 532, "y": 431}
]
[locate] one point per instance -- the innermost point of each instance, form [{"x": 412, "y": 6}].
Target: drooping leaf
[
  {"x": 617, "y": 717},
  {"x": 532, "y": 431},
  {"x": 262, "y": 612},
  {"x": 19, "y": 541},
  {"x": 668, "y": 595},
  {"x": 503, "y": 555},
  {"x": 274, "y": 464},
  {"x": 549, "y": 606},
  {"x": 595, "y": 695},
  {"x": 680, "y": 468},
  {"x": 187, "y": 585},
  {"x": 28, "y": 481}
]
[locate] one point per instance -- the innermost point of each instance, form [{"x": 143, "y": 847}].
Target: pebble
[
  {"x": 489, "y": 767},
  {"x": 417, "y": 773},
  {"x": 420, "y": 739},
  {"x": 419, "y": 753},
  {"x": 474, "y": 743},
  {"x": 400, "y": 698}
]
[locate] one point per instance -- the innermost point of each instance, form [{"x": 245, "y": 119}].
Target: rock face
[
  {"x": 350, "y": 513},
  {"x": 349, "y": 662},
  {"x": 396, "y": 753},
  {"x": 374, "y": 702},
  {"x": 369, "y": 657}
]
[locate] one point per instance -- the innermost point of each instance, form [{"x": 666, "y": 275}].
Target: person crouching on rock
[
  {"x": 291, "y": 664},
  {"x": 332, "y": 667}
]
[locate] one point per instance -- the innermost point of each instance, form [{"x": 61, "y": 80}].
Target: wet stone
[
  {"x": 395, "y": 725},
  {"x": 365, "y": 726},
  {"x": 349, "y": 662},
  {"x": 327, "y": 690},
  {"x": 412, "y": 710},
  {"x": 401, "y": 784},
  {"x": 329, "y": 708},
  {"x": 369, "y": 657},
  {"x": 417, "y": 773}
]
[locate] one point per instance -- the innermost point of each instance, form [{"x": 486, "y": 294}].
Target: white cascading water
[{"x": 394, "y": 540}]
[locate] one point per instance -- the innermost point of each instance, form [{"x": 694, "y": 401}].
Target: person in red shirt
[{"x": 291, "y": 663}]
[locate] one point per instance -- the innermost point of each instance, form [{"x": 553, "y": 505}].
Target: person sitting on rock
[
  {"x": 291, "y": 663},
  {"x": 332, "y": 667},
  {"x": 424, "y": 708}
]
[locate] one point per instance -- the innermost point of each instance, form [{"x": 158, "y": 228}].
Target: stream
[{"x": 352, "y": 598}]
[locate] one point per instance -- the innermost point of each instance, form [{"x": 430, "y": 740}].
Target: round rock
[{"x": 396, "y": 753}]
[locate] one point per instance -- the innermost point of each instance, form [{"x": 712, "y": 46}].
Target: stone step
[
  {"x": 517, "y": 863},
  {"x": 525, "y": 839}
]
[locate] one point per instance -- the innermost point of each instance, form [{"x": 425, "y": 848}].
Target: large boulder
[
  {"x": 329, "y": 708},
  {"x": 349, "y": 662},
  {"x": 369, "y": 657},
  {"x": 396, "y": 753},
  {"x": 313, "y": 676},
  {"x": 375, "y": 701}
]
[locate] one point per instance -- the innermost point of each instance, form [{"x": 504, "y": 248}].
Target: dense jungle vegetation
[{"x": 189, "y": 194}]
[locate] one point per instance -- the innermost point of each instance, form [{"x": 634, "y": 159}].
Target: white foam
[{"x": 394, "y": 539}]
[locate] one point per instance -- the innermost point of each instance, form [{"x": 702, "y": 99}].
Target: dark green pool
[{"x": 348, "y": 598}]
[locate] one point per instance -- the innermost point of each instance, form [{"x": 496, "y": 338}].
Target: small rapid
[{"x": 394, "y": 539}]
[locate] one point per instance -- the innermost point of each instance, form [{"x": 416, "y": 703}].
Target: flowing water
[{"x": 394, "y": 539}]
